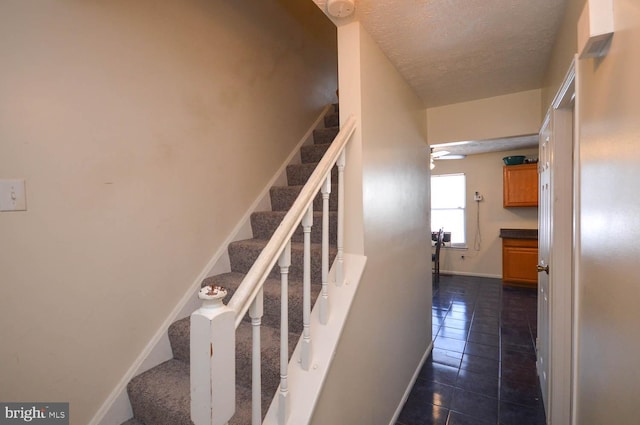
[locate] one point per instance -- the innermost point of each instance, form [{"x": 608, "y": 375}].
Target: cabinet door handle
[{"x": 542, "y": 269}]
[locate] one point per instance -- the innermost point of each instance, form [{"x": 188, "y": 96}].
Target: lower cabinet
[{"x": 519, "y": 260}]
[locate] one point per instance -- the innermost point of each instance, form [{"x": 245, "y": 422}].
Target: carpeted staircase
[{"x": 161, "y": 395}]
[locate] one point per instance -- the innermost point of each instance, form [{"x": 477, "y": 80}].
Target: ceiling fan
[
  {"x": 438, "y": 154},
  {"x": 442, "y": 154}
]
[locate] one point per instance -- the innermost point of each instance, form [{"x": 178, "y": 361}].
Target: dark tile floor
[{"x": 483, "y": 366}]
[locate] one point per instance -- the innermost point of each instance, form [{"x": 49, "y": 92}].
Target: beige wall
[
  {"x": 144, "y": 130},
  {"x": 484, "y": 175},
  {"x": 608, "y": 377},
  {"x": 513, "y": 114},
  {"x": 562, "y": 54},
  {"x": 389, "y": 327}
]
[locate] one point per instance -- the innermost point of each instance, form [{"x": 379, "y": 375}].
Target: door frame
[{"x": 564, "y": 117}]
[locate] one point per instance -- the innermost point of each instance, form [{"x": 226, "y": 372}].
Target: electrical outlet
[
  {"x": 12, "y": 195},
  {"x": 477, "y": 197}
]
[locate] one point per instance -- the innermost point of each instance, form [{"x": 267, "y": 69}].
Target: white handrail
[{"x": 254, "y": 279}]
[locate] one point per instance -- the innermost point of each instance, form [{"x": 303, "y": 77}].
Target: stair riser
[
  {"x": 282, "y": 198},
  {"x": 325, "y": 135},
  {"x": 312, "y": 153},
  {"x": 160, "y": 396},
  {"x": 243, "y": 257},
  {"x": 332, "y": 120},
  {"x": 263, "y": 226},
  {"x": 142, "y": 408},
  {"x": 298, "y": 174}
]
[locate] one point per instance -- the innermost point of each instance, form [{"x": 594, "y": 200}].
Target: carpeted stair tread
[
  {"x": 242, "y": 255},
  {"x": 283, "y": 197},
  {"x": 332, "y": 120},
  {"x": 169, "y": 383},
  {"x": 298, "y": 174},
  {"x": 265, "y": 223},
  {"x": 161, "y": 395},
  {"x": 313, "y": 153},
  {"x": 179, "y": 339},
  {"x": 325, "y": 135}
]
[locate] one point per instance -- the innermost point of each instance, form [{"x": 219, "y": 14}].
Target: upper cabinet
[{"x": 520, "y": 185}]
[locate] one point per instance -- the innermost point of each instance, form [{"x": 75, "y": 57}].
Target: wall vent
[{"x": 595, "y": 28}]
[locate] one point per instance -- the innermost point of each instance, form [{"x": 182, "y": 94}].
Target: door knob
[{"x": 542, "y": 269}]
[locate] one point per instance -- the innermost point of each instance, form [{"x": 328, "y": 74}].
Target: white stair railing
[{"x": 213, "y": 325}]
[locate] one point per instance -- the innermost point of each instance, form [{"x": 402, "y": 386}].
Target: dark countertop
[{"x": 519, "y": 233}]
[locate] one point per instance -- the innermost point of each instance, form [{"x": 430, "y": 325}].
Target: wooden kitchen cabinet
[
  {"x": 519, "y": 260},
  {"x": 520, "y": 185}
]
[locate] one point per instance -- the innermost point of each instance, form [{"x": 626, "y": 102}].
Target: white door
[{"x": 544, "y": 238}]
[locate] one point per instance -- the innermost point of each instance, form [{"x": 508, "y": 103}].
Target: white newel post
[
  {"x": 213, "y": 377},
  {"x": 340, "y": 256}
]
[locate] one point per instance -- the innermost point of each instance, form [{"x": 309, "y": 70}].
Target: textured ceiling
[
  {"x": 453, "y": 51},
  {"x": 473, "y": 147}
]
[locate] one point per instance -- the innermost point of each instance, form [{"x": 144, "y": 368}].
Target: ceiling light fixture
[
  {"x": 451, "y": 156},
  {"x": 340, "y": 8},
  {"x": 444, "y": 145},
  {"x": 438, "y": 154}
]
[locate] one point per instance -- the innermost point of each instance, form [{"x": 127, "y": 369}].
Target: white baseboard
[
  {"x": 116, "y": 408},
  {"x": 414, "y": 378},
  {"x": 459, "y": 273}
]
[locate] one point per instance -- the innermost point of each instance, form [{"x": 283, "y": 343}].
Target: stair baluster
[
  {"x": 307, "y": 222},
  {"x": 324, "y": 295},
  {"x": 283, "y": 397},
  {"x": 255, "y": 312},
  {"x": 340, "y": 256}
]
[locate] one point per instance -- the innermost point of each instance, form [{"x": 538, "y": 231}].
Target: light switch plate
[{"x": 12, "y": 195}]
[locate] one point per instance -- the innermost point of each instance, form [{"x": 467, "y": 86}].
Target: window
[{"x": 448, "y": 203}]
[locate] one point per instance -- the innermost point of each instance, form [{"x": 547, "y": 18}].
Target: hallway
[{"x": 483, "y": 366}]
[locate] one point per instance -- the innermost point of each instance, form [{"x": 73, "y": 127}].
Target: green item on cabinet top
[{"x": 514, "y": 160}]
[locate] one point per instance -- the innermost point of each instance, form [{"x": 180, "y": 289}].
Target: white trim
[
  {"x": 155, "y": 352},
  {"x": 473, "y": 274},
  {"x": 561, "y": 253},
  {"x": 414, "y": 378},
  {"x": 576, "y": 243}
]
